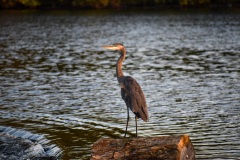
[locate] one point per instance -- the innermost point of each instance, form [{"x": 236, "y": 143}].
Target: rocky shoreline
[{"x": 18, "y": 144}]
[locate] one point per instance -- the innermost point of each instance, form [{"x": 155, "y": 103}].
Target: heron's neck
[{"x": 119, "y": 65}]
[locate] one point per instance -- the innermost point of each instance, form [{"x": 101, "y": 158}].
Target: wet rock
[{"x": 13, "y": 147}]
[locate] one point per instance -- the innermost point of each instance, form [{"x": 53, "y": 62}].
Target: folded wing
[{"x": 134, "y": 97}]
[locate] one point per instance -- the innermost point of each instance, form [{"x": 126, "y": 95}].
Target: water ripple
[{"x": 56, "y": 80}]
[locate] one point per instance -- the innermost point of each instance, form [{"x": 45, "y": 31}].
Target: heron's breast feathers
[{"x": 134, "y": 98}]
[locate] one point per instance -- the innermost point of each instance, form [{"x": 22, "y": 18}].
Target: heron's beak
[{"x": 110, "y": 47}]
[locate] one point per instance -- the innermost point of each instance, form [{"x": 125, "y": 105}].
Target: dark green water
[{"x": 57, "y": 81}]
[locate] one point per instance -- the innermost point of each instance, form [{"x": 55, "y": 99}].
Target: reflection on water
[{"x": 56, "y": 80}]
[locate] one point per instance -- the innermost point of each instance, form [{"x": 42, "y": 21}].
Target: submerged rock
[{"x": 13, "y": 146}]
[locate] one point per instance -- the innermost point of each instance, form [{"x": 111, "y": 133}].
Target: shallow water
[{"x": 57, "y": 81}]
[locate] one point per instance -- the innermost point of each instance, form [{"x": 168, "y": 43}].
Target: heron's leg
[
  {"x": 136, "y": 124},
  {"x": 127, "y": 122}
]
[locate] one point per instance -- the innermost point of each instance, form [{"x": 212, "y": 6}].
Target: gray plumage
[
  {"x": 134, "y": 98},
  {"x": 131, "y": 91}
]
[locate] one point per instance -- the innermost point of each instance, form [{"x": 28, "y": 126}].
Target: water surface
[{"x": 57, "y": 81}]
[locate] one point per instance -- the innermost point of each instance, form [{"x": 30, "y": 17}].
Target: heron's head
[{"x": 114, "y": 47}]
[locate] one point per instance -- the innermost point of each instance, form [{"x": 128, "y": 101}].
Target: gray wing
[{"x": 134, "y": 98}]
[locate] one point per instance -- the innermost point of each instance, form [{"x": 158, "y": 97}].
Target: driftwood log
[{"x": 144, "y": 148}]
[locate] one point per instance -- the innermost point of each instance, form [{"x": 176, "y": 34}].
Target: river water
[{"x": 56, "y": 80}]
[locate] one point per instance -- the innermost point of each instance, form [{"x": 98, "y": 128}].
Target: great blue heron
[{"x": 131, "y": 91}]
